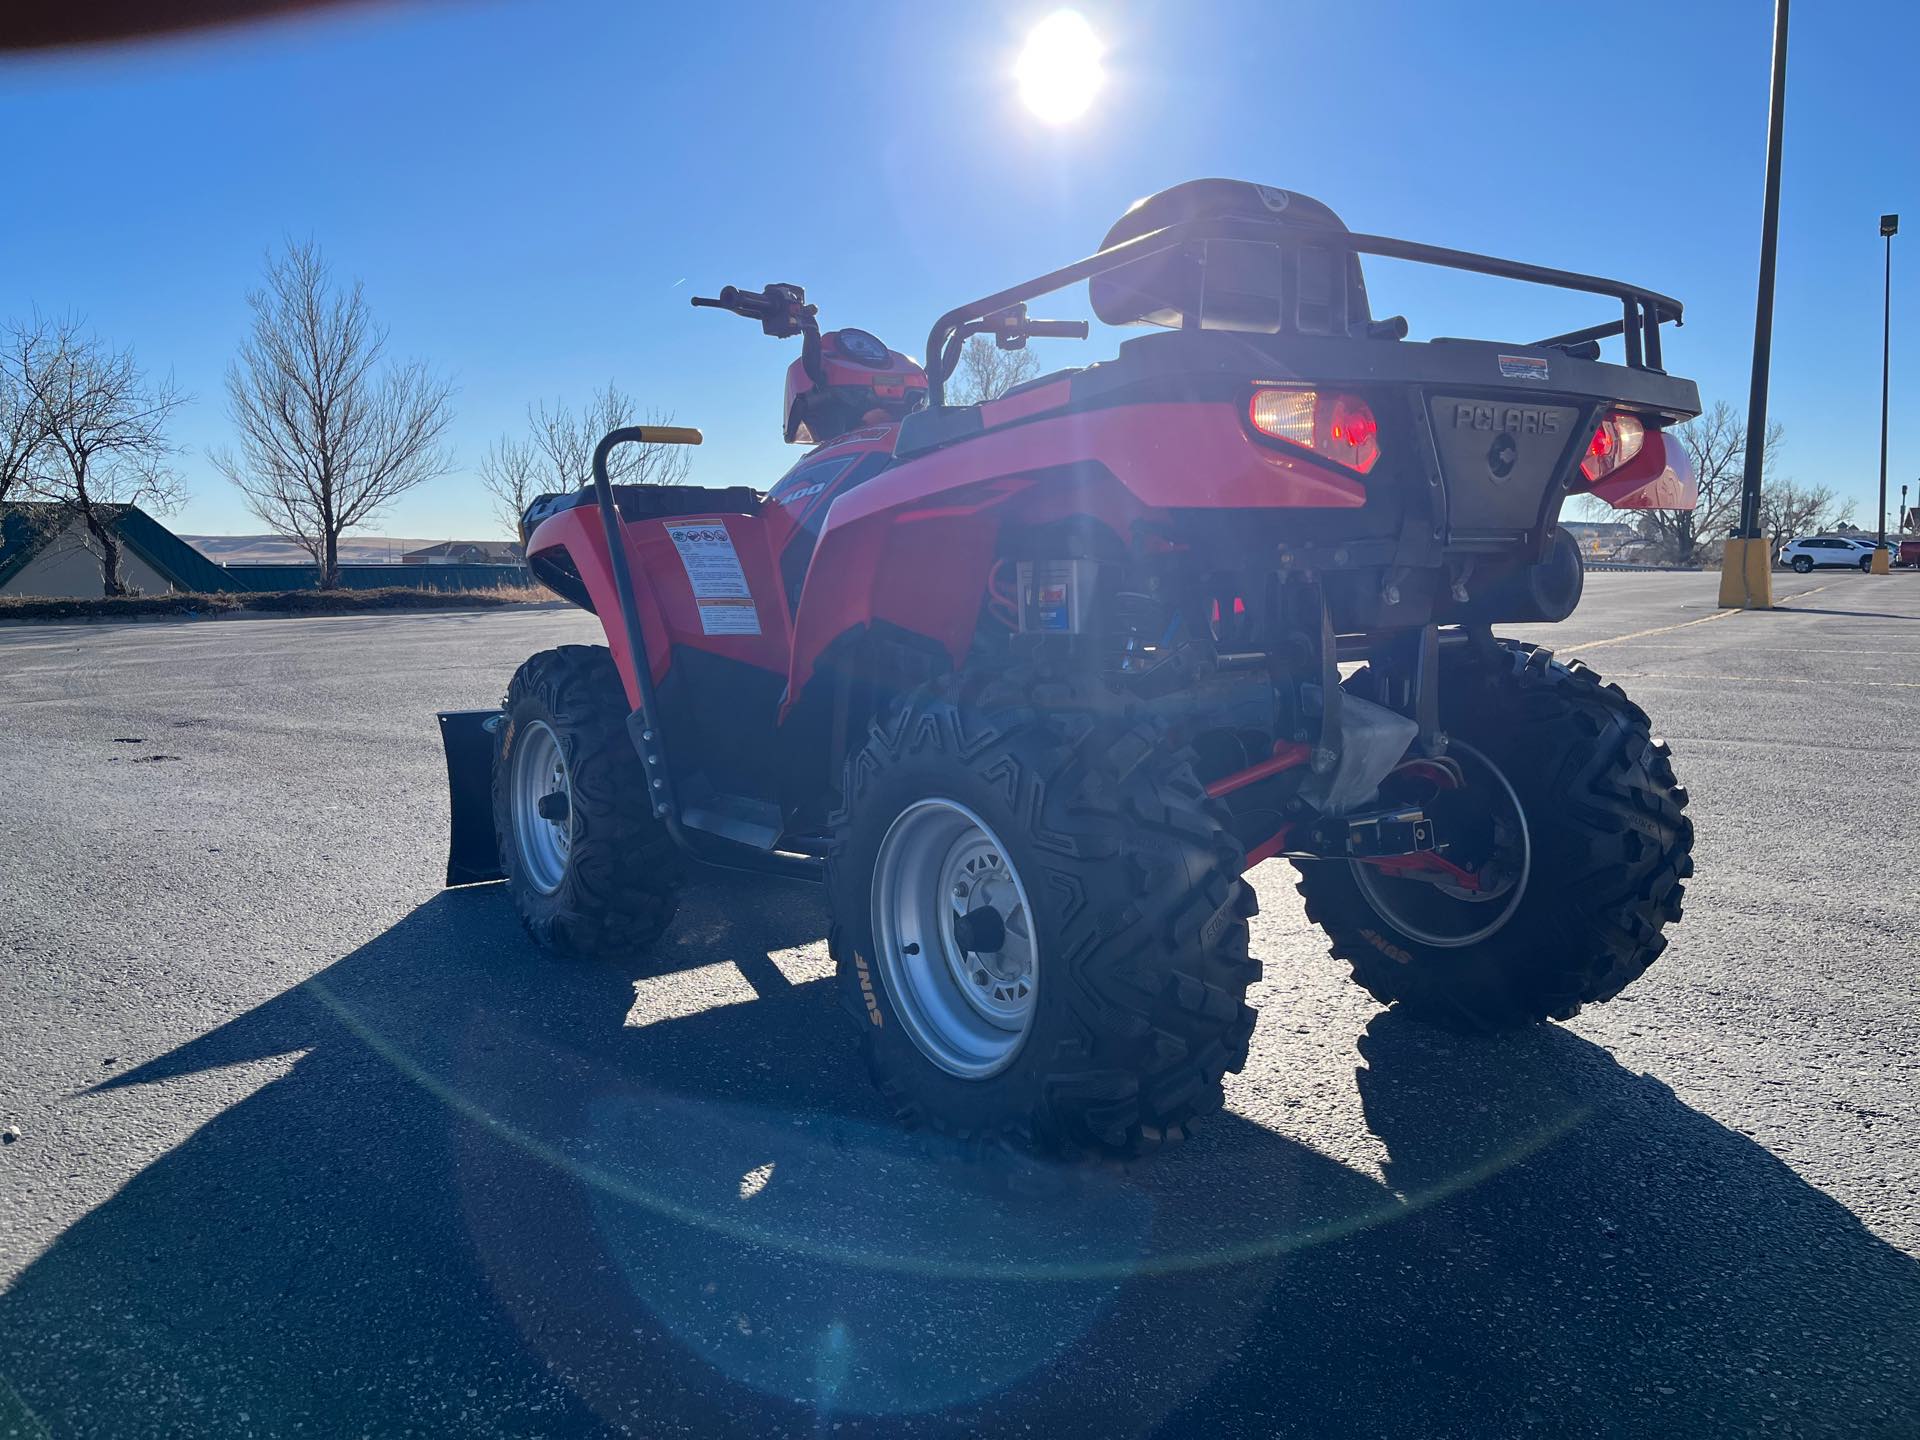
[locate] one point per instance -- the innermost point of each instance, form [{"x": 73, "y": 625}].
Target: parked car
[
  {"x": 1813, "y": 551},
  {"x": 1908, "y": 554},
  {"x": 1892, "y": 544}
]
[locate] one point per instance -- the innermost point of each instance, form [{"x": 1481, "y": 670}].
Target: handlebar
[
  {"x": 754, "y": 304},
  {"x": 1011, "y": 329},
  {"x": 782, "y": 310}
]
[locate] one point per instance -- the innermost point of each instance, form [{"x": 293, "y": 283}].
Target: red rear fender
[
  {"x": 912, "y": 547},
  {"x": 1194, "y": 454},
  {"x": 920, "y": 564}
]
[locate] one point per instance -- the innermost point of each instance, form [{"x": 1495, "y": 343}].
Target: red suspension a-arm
[{"x": 1286, "y": 755}]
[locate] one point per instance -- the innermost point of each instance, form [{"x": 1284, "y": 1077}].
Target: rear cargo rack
[{"x": 1643, "y": 311}]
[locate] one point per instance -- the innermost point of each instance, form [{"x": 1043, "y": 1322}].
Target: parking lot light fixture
[
  {"x": 1889, "y": 227},
  {"x": 1746, "y": 564}
]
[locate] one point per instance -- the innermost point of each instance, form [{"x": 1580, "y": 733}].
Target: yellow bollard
[
  {"x": 1880, "y": 563},
  {"x": 1746, "y": 575}
]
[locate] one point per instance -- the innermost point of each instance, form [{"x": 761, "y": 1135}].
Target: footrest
[{"x": 745, "y": 821}]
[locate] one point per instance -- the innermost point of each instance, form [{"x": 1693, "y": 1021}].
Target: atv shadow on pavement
[{"x": 486, "y": 1199}]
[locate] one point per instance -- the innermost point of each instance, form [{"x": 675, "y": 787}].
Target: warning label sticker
[
  {"x": 1523, "y": 367},
  {"x": 719, "y": 584}
]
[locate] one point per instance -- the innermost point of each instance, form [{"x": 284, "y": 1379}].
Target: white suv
[{"x": 1811, "y": 550}]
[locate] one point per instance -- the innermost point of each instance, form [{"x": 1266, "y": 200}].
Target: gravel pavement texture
[{"x": 303, "y": 1145}]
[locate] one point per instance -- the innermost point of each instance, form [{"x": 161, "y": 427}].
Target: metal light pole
[
  {"x": 1889, "y": 227},
  {"x": 1746, "y": 569}
]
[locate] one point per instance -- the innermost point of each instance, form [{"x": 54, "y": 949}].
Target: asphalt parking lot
[{"x": 308, "y": 1146}]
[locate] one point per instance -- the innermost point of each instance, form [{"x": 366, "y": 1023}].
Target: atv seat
[{"x": 651, "y": 502}]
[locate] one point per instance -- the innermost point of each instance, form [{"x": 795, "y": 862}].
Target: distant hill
[{"x": 272, "y": 550}]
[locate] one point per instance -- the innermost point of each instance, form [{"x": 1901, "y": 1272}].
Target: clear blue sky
[{"x": 523, "y": 187}]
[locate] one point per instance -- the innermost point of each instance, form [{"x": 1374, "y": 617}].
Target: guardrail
[{"x": 1624, "y": 565}]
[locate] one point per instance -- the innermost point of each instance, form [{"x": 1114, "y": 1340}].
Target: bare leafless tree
[
  {"x": 22, "y": 431},
  {"x": 511, "y": 474},
  {"x": 95, "y": 431},
  {"x": 329, "y": 433},
  {"x": 1716, "y": 442},
  {"x": 565, "y": 439},
  {"x": 986, "y": 372},
  {"x": 557, "y": 454},
  {"x": 1788, "y": 510}
]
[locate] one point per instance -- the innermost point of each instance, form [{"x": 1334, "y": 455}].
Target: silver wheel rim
[
  {"x": 540, "y": 770},
  {"x": 1422, "y": 910},
  {"x": 939, "y": 868}
]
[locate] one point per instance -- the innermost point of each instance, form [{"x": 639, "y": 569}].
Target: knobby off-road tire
[
  {"x": 1611, "y": 846},
  {"x": 615, "y": 885},
  {"x": 1138, "y": 915}
]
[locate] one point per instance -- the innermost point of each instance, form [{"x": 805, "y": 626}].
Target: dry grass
[
  {"x": 517, "y": 594},
  {"x": 280, "y": 602}
]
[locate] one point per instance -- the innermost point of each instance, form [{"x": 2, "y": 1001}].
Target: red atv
[{"x": 1035, "y": 682}]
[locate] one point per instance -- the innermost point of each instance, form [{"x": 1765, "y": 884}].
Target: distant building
[
  {"x": 466, "y": 552},
  {"x": 45, "y": 551}
]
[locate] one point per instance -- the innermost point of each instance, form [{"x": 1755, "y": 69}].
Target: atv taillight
[
  {"x": 1336, "y": 426},
  {"x": 1617, "y": 441}
]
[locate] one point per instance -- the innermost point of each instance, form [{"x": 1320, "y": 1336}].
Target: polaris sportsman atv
[{"x": 1033, "y": 683}]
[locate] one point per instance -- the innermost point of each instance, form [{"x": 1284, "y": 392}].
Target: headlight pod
[
  {"x": 1333, "y": 425},
  {"x": 1614, "y": 443}
]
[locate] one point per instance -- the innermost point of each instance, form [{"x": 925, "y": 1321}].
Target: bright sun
[{"x": 1059, "y": 70}]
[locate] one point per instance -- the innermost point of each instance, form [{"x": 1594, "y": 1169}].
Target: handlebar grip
[
  {"x": 646, "y": 435},
  {"x": 750, "y": 303},
  {"x": 1057, "y": 329}
]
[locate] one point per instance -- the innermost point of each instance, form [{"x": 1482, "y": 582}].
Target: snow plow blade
[{"x": 473, "y": 855}]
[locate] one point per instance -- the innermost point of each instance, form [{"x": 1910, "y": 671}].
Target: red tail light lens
[
  {"x": 1335, "y": 426},
  {"x": 1617, "y": 441}
]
